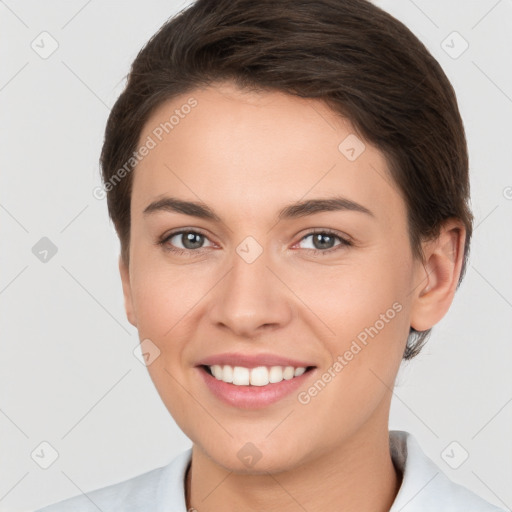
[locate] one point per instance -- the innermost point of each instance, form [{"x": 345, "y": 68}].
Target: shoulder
[
  {"x": 424, "y": 485},
  {"x": 129, "y": 492},
  {"x": 147, "y": 491}
]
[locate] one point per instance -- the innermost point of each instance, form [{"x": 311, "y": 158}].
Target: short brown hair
[{"x": 362, "y": 62}]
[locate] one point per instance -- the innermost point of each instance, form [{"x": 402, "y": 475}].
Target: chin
[{"x": 245, "y": 457}]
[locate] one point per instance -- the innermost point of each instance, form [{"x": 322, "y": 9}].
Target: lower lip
[{"x": 252, "y": 397}]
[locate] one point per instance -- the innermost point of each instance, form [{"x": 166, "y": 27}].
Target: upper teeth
[{"x": 259, "y": 376}]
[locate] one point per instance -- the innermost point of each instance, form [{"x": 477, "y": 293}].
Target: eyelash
[{"x": 344, "y": 242}]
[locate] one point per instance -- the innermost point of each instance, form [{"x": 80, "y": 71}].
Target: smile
[
  {"x": 253, "y": 388},
  {"x": 258, "y": 376}
]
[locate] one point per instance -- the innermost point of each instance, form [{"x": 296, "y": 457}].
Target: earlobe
[
  {"x": 438, "y": 277},
  {"x": 127, "y": 292}
]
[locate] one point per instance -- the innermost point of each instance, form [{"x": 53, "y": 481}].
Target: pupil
[
  {"x": 320, "y": 237},
  {"x": 189, "y": 240}
]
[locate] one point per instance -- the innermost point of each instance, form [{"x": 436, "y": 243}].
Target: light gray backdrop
[{"x": 68, "y": 373}]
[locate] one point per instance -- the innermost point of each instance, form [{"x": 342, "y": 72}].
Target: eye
[
  {"x": 190, "y": 240},
  {"x": 323, "y": 241}
]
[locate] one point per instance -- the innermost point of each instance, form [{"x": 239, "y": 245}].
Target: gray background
[{"x": 68, "y": 374}]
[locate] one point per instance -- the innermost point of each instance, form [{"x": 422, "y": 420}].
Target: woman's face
[{"x": 247, "y": 281}]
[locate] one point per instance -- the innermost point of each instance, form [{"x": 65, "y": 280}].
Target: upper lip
[{"x": 252, "y": 360}]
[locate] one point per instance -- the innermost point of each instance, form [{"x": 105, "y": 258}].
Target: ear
[
  {"x": 437, "y": 279},
  {"x": 127, "y": 292}
]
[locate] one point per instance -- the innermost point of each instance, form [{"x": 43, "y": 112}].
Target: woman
[{"x": 289, "y": 183}]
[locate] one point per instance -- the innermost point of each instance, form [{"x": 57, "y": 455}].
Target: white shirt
[{"x": 424, "y": 487}]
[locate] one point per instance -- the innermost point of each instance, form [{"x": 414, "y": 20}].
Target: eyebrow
[{"x": 291, "y": 211}]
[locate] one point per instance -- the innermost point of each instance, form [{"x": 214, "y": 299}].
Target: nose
[{"x": 251, "y": 298}]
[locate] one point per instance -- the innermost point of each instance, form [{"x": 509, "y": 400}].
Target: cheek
[
  {"x": 163, "y": 292},
  {"x": 366, "y": 308},
  {"x": 169, "y": 302},
  {"x": 164, "y": 301},
  {"x": 371, "y": 329},
  {"x": 348, "y": 297}
]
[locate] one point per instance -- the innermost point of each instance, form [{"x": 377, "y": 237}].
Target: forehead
[{"x": 249, "y": 151}]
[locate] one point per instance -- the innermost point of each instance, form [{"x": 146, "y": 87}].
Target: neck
[{"x": 358, "y": 476}]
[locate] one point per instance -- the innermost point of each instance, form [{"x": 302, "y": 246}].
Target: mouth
[
  {"x": 257, "y": 376},
  {"x": 253, "y": 388}
]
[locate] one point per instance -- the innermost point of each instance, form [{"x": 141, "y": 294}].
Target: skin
[{"x": 246, "y": 155}]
